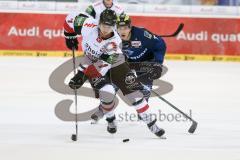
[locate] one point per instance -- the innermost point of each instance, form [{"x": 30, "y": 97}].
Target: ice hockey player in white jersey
[
  {"x": 94, "y": 10},
  {"x": 102, "y": 55},
  {"x": 98, "y": 7}
]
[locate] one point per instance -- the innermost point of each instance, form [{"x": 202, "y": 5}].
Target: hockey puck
[
  {"x": 74, "y": 137},
  {"x": 125, "y": 140}
]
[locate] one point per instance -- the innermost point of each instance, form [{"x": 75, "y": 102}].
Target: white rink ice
[{"x": 29, "y": 129}]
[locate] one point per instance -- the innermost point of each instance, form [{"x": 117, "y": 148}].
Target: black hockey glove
[
  {"x": 71, "y": 40},
  {"x": 77, "y": 81},
  {"x": 151, "y": 69},
  {"x": 155, "y": 72}
]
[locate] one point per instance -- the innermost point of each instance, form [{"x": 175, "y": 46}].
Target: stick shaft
[
  {"x": 75, "y": 91},
  {"x": 174, "y": 107}
]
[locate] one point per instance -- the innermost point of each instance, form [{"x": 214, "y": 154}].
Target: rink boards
[
  {"x": 169, "y": 56},
  {"x": 202, "y": 38}
]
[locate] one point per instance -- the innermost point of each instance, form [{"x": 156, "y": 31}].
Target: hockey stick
[
  {"x": 75, "y": 136},
  {"x": 179, "y": 29},
  {"x": 194, "y": 123}
]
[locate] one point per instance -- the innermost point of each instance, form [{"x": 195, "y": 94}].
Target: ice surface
[{"x": 29, "y": 129}]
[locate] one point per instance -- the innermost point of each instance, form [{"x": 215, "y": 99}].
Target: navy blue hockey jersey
[{"x": 144, "y": 46}]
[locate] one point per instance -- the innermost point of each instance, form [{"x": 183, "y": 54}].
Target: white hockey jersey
[
  {"x": 92, "y": 45},
  {"x": 98, "y": 7}
]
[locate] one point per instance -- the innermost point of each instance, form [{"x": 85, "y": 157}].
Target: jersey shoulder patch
[
  {"x": 148, "y": 34},
  {"x": 143, "y": 32},
  {"x": 91, "y": 11},
  {"x": 78, "y": 23},
  {"x": 79, "y": 20}
]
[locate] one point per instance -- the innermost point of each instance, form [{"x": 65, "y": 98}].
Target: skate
[
  {"x": 97, "y": 116},
  {"x": 155, "y": 129},
  {"x": 112, "y": 127}
]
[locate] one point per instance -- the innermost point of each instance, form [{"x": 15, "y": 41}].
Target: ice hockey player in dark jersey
[
  {"x": 144, "y": 50},
  {"x": 102, "y": 53}
]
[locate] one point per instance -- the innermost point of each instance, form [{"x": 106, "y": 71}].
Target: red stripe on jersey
[
  {"x": 143, "y": 109},
  {"x": 90, "y": 25},
  {"x": 67, "y": 28}
]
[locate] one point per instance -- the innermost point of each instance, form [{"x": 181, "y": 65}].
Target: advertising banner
[{"x": 42, "y": 35}]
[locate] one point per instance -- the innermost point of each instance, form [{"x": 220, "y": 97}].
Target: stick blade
[
  {"x": 74, "y": 137},
  {"x": 179, "y": 29},
  {"x": 181, "y": 26},
  {"x": 193, "y": 127}
]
